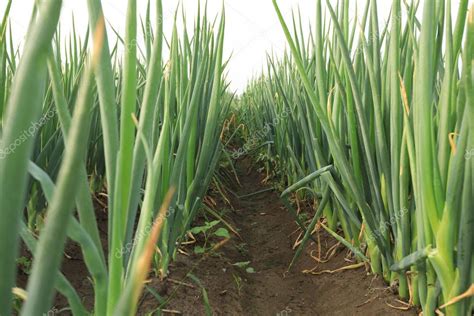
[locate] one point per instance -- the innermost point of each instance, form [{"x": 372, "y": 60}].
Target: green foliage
[
  {"x": 389, "y": 109},
  {"x": 141, "y": 130}
]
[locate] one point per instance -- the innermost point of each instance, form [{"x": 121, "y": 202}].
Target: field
[{"x": 134, "y": 181}]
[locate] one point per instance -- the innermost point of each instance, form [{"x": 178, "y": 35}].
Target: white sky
[{"x": 252, "y": 26}]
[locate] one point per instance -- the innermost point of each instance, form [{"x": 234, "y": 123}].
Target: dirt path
[
  {"x": 268, "y": 233},
  {"x": 248, "y": 275}
]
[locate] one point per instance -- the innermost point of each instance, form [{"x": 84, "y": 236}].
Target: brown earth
[{"x": 267, "y": 234}]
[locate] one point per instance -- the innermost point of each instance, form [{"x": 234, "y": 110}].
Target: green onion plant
[
  {"x": 375, "y": 123},
  {"x": 143, "y": 130}
]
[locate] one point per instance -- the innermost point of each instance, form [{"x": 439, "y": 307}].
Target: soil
[
  {"x": 261, "y": 287},
  {"x": 267, "y": 233}
]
